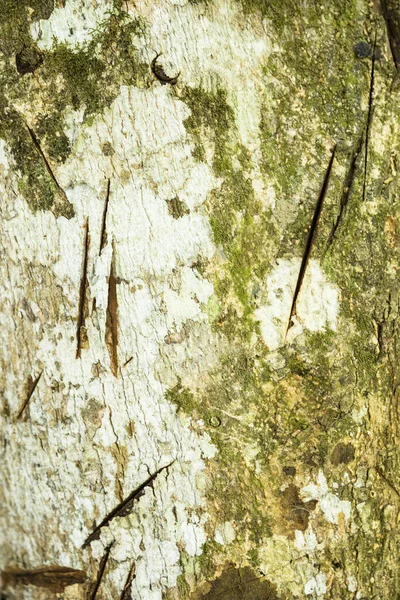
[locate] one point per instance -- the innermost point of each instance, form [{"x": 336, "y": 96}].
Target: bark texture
[{"x": 199, "y": 299}]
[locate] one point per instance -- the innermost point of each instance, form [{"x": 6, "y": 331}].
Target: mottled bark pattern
[{"x": 199, "y": 282}]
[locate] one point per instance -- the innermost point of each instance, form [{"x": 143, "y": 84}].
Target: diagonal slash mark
[
  {"x": 311, "y": 238},
  {"x": 43, "y": 156},
  {"x": 347, "y": 189},
  {"x": 32, "y": 384},
  {"x": 92, "y": 593},
  {"x": 125, "y": 507}
]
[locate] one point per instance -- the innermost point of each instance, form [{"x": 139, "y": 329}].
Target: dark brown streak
[
  {"x": 391, "y": 14},
  {"x": 126, "y": 592},
  {"x": 103, "y": 235},
  {"x": 124, "y": 507},
  {"x": 82, "y": 293},
  {"x": 111, "y": 335},
  {"x": 41, "y": 153},
  {"x": 32, "y": 383},
  {"x": 388, "y": 482},
  {"x": 369, "y": 117},
  {"x": 311, "y": 237},
  {"x": 92, "y": 592},
  {"x": 160, "y": 74},
  {"x": 347, "y": 187},
  {"x": 51, "y": 577}
]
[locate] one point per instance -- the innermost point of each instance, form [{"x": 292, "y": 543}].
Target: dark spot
[
  {"x": 290, "y": 471},
  {"x": 342, "y": 454},
  {"x": 28, "y": 60},
  {"x": 107, "y": 149},
  {"x": 296, "y": 511},
  {"x": 363, "y": 50},
  {"x": 177, "y": 208},
  {"x": 241, "y": 584},
  {"x": 161, "y": 75}
]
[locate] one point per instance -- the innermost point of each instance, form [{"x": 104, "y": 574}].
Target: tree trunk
[{"x": 199, "y": 278}]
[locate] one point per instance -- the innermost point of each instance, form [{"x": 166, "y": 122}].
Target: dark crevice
[
  {"x": 311, "y": 237},
  {"x": 391, "y": 14},
  {"x": 103, "y": 563},
  {"x": 125, "y": 507},
  {"x": 52, "y": 577},
  {"x": 126, "y": 592},
  {"x": 103, "y": 234},
  {"x": 81, "y": 335},
  {"x": 32, "y": 383},
  {"x": 111, "y": 335},
  {"x": 42, "y": 155},
  {"x": 347, "y": 188}
]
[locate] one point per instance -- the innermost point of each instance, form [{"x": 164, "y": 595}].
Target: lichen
[
  {"x": 86, "y": 77},
  {"x": 315, "y": 95}
]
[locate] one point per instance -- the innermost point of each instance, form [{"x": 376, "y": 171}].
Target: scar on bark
[
  {"x": 391, "y": 14},
  {"x": 94, "y": 588},
  {"x": 32, "y": 384},
  {"x": 160, "y": 74},
  {"x": 125, "y": 507},
  {"x": 103, "y": 234},
  {"x": 369, "y": 117},
  {"x": 52, "y": 577},
  {"x": 111, "y": 335},
  {"x": 311, "y": 238},
  {"x": 43, "y": 156},
  {"x": 126, "y": 592},
  {"x": 347, "y": 188},
  {"x": 81, "y": 333}
]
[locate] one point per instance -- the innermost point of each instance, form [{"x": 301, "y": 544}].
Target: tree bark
[{"x": 199, "y": 279}]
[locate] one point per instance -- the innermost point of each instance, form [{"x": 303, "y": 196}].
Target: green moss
[
  {"x": 15, "y": 20},
  {"x": 238, "y": 222},
  {"x": 89, "y": 77},
  {"x": 181, "y": 397}
]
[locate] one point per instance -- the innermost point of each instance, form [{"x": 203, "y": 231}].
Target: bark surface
[{"x": 199, "y": 299}]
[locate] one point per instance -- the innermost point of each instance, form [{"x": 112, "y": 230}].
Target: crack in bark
[
  {"x": 311, "y": 237},
  {"x": 81, "y": 334},
  {"x": 32, "y": 384},
  {"x": 369, "y": 117},
  {"x": 391, "y": 14},
  {"x": 125, "y": 507},
  {"x": 103, "y": 234},
  {"x": 43, "y": 156},
  {"x": 111, "y": 334},
  {"x": 92, "y": 592},
  {"x": 51, "y": 577},
  {"x": 347, "y": 187},
  {"x": 126, "y": 592}
]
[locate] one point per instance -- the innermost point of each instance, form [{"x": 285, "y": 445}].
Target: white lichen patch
[
  {"x": 306, "y": 541},
  {"x": 316, "y": 586},
  {"x": 225, "y": 533},
  {"x": 317, "y": 305},
  {"x": 329, "y": 503},
  {"x": 74, "y": 23},
  {"x": 95, "y": 436}
]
